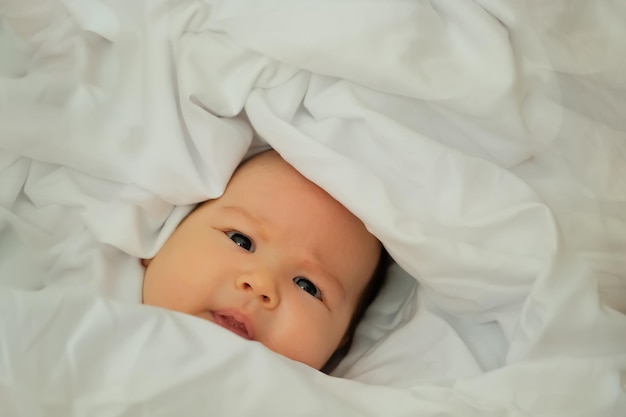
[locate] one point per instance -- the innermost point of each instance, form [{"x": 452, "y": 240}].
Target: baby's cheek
[
  {"x": 148, "y": 289},
  {"x": 160, "y": 288},
  {"x": 310, "y": 339}
]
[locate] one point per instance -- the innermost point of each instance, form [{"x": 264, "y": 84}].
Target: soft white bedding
[{"x": 483, "y": 142}]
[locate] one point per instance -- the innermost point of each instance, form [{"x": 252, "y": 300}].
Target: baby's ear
[{"x": 146, "y": 262}]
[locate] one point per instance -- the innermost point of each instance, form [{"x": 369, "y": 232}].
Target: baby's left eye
[{"x": 308, "y": 286}]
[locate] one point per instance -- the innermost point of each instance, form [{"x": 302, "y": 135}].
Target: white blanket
[{"x": 483, "y": 142}]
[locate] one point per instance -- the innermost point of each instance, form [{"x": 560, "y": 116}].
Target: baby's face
[{"x": 275, "y": 259}]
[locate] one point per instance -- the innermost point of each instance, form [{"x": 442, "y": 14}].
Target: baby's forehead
[
  {"x": 269, "y": 171},
  {"x": 273, "y": 190},
  {"x": 266, "y": 161}
]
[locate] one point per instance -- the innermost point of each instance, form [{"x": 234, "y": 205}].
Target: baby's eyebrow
[
  {"x": 328, "y": 276},
  {"x": 243, "y": 212},
  {"x": 260, "y": 223}
]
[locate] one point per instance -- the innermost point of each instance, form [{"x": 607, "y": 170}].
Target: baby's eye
[
  {"x": 241, "y": 240},
  {"x": 308, "y": 286}
]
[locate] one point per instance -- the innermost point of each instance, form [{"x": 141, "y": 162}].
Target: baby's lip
[{"x": 235, "y": 321}]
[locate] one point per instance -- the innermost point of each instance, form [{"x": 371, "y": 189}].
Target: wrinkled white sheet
[{"x": 483, "y": 142}]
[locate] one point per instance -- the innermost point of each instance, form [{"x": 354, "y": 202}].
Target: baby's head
[{"x": 275, "y": 259}]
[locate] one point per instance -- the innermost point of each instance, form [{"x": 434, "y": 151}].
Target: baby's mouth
[{"x": 235, "y": 323}]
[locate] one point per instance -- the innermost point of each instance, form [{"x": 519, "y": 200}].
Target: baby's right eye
[{"x": 241, "y": 240}]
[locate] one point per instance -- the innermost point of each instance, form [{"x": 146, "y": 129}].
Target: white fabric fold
[{"x": 483, "y": 143}]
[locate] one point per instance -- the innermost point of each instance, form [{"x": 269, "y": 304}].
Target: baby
[{"x": 274, "y": 259}]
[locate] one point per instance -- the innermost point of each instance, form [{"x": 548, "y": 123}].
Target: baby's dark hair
[{"x": 368, "y": 296}]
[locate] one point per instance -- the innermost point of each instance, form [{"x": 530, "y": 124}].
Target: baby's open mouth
[{"x": 236, "y": 325}]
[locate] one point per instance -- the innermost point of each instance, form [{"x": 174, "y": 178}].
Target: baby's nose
[{"x": 261, "y": 285}]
